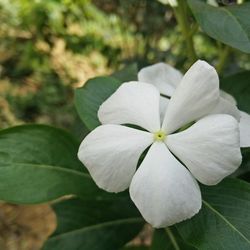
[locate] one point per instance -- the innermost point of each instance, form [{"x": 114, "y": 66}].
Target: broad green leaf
[
  {"x": 168, "y": 239},
  {"x": 89, "y": 98},
  {"x": 224, "y": 220},
  {"x": 39, "y": 144},
  {"x": 238, "y": 85},
  {"x": 39, "y": 163},
  {"x": 128, "y": 73},
  {"x": 94, "y": 224},
  {"x": 229, "y": 25}
]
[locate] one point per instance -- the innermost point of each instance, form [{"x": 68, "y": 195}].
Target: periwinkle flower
[{"x": 187, "y": 144}]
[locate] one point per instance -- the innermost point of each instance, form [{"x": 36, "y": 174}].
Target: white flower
[
  {"x": 166, "y": 79},
  {"x": 173, "y": 3},
  {"x": 164, "y": 190}
]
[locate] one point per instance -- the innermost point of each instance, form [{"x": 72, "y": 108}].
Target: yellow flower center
[{"x": 160, "y": 135}]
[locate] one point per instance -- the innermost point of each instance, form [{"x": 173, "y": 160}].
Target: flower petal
[
  {"x": 163, "y": 76},
  {"x": 133, "y": 103},
  {"x": 244, "y": 130},
  {"x": 195, "y": 96},
  {"x": 111, "y": 153},
  {"x": 210, "y": 148},
  {"x": 163, "y": 189},
  {"x": 225, "y": 106},
  {"x": 228, "y": 97},
  {"x": 163, "y": 107}
]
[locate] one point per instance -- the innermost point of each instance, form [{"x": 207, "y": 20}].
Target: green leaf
[
  {"x": 94, "y": 224},
  {"x": 89, "y": 98},
  {"x": 238, "y": 86},
  {"x": 245, "y": 166},
  {"x": 39, "y": 163},
  {"x": 229, "y": 25},
  {"x": 128, "y": 73},
  {"x": 168, "y": 239},
  {"x": 243, "y": 171},
  {"x": 161, "y": 240},
  {"x": 224, "y": 220}
]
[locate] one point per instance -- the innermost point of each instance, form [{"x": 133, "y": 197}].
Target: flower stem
[
  {"x": 181, "y": 14},
  {"x": 172, "y": 238},
  {"x": 223, "y": 59}
]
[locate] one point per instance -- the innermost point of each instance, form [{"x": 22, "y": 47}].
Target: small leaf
[
  {"x": 39, "y": 163},
  {"x": 229, "y": 25},
  {"x": 94, "y": 224},
  {"x": 224, "y": 220},
  {"x": 89, "y": 98}
]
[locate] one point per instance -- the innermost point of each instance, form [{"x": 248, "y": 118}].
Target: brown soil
[{"x": 25, "y": 227}]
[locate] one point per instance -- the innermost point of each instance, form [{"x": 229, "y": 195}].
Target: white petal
[
  {"x": 133, "y": 103},
  {"x": 111, "y": 153},
  {"x": 244, "y": 130},
  {"x": 226, "y": 107},
  {"x": 210, "y": 148},
  {"x": 195, "y": 96},
  {"x": 163, "y": 76},
  {"x": 163, "y": 189},
  {"x": 163, "y": 107},
  {"x": 228, "y": 97}
]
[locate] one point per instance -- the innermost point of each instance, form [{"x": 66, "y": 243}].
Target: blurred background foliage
[{"x": 50, "y": 47}]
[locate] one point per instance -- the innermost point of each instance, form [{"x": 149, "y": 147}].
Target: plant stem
[
  {"x": 172, "y": 238},
  {"x": 223, "y": 56},
  {"x": 181, "y": 14}
]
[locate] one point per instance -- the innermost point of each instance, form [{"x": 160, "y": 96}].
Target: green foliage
[
  {"x": 224, "y": 220},
  {"x": 94, "y": 224},
  {"x": 168, "y": 239},
  {"x": 161, "y": 241},
  {"x": 244, "y": 170},
  {"x": 38, "y": 164},
  {"x": 126, "y": 74},
  {"x": 95, "y": 91},
  {"x": 229, "y": 25},
  {"x": 91, "y": 96},
  {"x": 238, "y": 86}
]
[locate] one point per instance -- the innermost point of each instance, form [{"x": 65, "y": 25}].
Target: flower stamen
[{"x": 159, "y": 136}]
